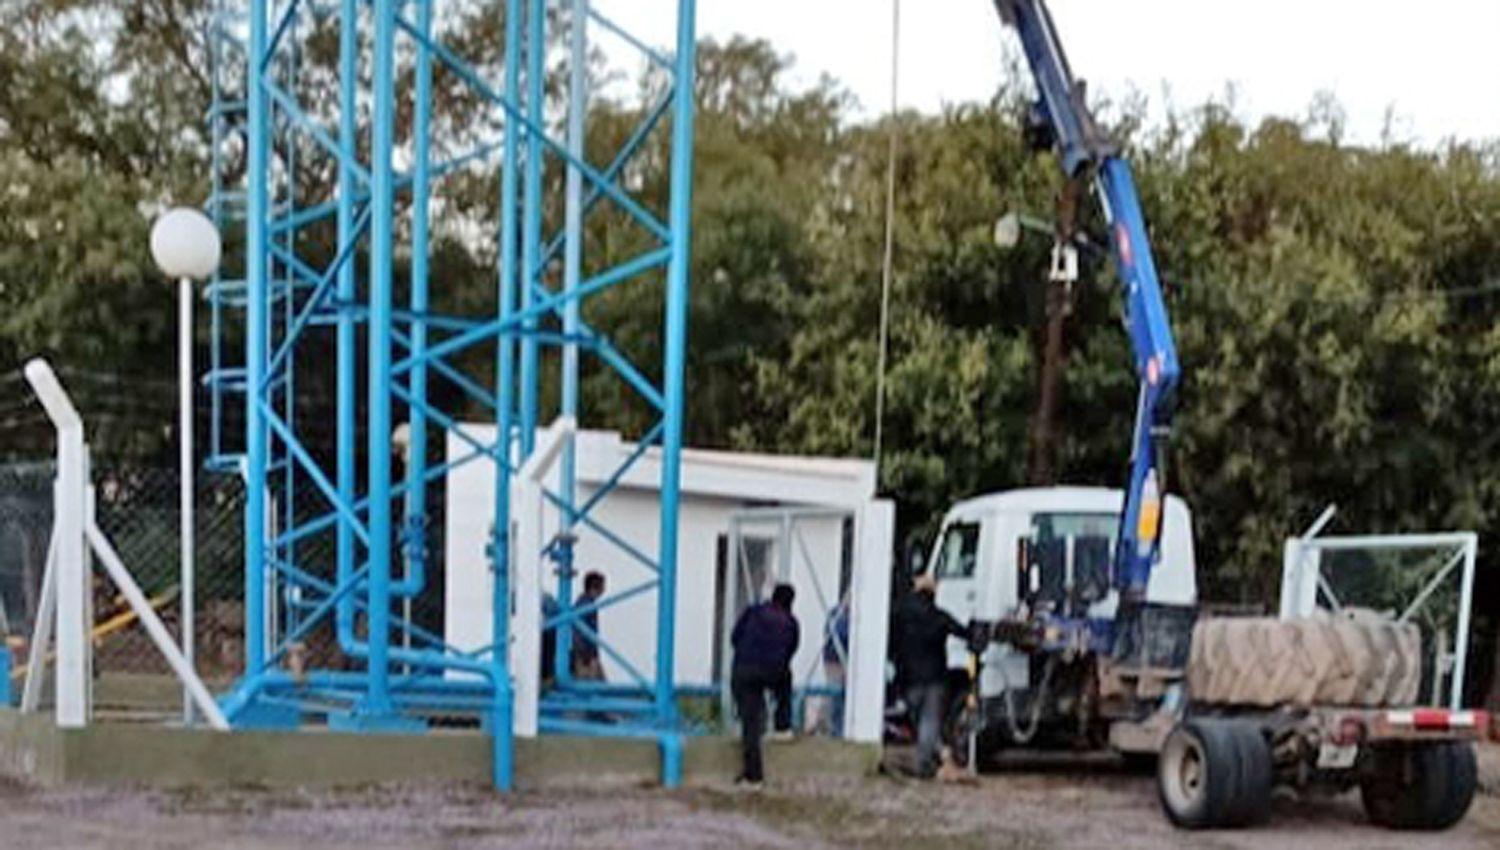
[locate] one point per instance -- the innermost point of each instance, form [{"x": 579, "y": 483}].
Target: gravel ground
[{"x": 1040, "y": 807}]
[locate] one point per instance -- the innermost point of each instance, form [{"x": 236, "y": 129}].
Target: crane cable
[{"x": 890, "y": 233}]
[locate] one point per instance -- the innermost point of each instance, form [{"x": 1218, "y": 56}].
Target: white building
[{"x": 812, "y": 521}]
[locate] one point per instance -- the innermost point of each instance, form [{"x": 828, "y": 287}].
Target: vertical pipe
[
  {"x": 346, "y": 388},
  {"x": 414, "y": 527},
  {"x": 382, "y": 210},
  {"x": 288, "y": 513},
  {"x": 1465, "y": 604},
  {"x": 216, "y": 210},
  {"x": 531, "y": 236},
  {"x": 503, "y": 726},
  {"x": 680, "y": 224},
  {"x": 572, "y": 270},
  {"x": 255, "y": 343},
  {"x": 185, "y": 475}
]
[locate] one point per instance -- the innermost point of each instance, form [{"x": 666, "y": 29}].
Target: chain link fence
[{"x": 137, "y": 508}]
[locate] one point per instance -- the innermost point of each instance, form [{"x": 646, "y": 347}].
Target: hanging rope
[{"x": 890, "y": 236}]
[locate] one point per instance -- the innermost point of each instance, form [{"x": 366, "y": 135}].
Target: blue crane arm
[{"x": 1084, "y": 150}]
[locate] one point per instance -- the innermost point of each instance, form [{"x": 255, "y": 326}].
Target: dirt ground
[{"x": 1038, "y": 806}]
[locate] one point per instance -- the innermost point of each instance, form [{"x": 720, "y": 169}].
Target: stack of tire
[{"x": 1354, "y": 659}]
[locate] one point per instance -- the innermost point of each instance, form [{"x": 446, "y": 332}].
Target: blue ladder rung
[{"x": 223, "y": 462}]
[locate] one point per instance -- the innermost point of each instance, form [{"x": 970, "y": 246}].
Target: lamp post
[{"x": 185, "y": 245}]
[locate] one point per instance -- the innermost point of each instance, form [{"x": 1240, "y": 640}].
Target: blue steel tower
[{"x": 294, "y": 302}]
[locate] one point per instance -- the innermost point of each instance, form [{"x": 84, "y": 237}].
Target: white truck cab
[{"x": 992, "y": 549}]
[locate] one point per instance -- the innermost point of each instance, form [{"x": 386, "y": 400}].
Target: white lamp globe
[
  {"x": 185, "y": 243},
  {"x": 1008, "y": 231}
]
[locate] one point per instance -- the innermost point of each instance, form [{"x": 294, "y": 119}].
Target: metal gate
[
  {"x": 813, "y": 549},
  {"x": 1427, "y": 579}
]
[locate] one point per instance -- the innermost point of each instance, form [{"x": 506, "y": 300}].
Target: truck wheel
[
  {"x": 1429, "y": 786},
  {"x": 1214, "y": 773},
  {"x": 1252, "y": 802}
]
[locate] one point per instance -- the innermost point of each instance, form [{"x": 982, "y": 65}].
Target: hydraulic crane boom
[{"x": 1062, "y": 116}]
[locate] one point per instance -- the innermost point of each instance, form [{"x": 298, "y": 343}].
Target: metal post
[
  {"x": 257, "y": 285},
  {"x": 346, "y": 388},
  {"x": 503, "y": 727},
  {"x": 572, "y": 270},
  {"x": 414, "y": 528},
  {"x": 674, "y": 389},
  {"x": 377, "y": 701},
  {"x": 531, "y": 235},
  {"x": 185, "y": 484},
  {"x": 1465, "y": 603}
]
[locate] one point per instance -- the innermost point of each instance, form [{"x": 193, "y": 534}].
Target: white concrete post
[
  {"x": 529, "y": 510},
  {"x": 870, "y": 591},
  {"x": 71, "y": 561}
]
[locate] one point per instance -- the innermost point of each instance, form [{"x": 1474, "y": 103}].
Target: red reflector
[{"x": 1429, "y": 718}]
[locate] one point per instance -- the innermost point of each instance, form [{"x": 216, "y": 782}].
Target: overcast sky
[{"x": 1436, "y": 63}]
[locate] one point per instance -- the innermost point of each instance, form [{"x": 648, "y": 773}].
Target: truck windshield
[
  {"x": 959, "y": 551},
  {"x": 1072, "y": 554}
]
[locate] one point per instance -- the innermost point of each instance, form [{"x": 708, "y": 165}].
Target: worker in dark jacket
[
  {"x": 919, "y": 641},
  {"x": 765, "y": 639}
]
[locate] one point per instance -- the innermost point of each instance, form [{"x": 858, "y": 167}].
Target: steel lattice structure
[{"x": 379, "y": 211}]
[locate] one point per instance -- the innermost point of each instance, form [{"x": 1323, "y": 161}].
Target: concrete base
[
  {"x": 33, "y": 749},
  {"x": 384, "y": 723}
]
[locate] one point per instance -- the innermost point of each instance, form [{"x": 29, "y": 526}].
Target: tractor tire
[
  {"x": 1420, "y": 787},
  {"x": 1353, "y": 659},
  {"x": 1215, "y": 773}
]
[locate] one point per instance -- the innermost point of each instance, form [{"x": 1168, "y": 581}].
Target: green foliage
[{"x": 1330, "y": 302}]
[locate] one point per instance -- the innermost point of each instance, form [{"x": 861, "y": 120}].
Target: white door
[{"x": 957, "y": 570}]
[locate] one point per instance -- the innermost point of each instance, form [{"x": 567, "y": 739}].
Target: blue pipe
[
  {"x": 562, "y": 551},
  {"x": 255, "y": 343},
  {"x": 674, "y": 389},
  {"x": 531, "y": 234},
  {"x": 414, "y": 531},
  {"x": 346, "y": 388},
  {"x": 377, "y": 701},
  {"x": 502, "y": 729}
]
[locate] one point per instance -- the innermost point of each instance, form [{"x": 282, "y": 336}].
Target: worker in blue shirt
[
  {"x": 585, "y": 661},
  {"x": 765, "y": 638}
]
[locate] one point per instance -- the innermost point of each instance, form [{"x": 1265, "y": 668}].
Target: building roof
[{"x": 742, "y": 476}]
